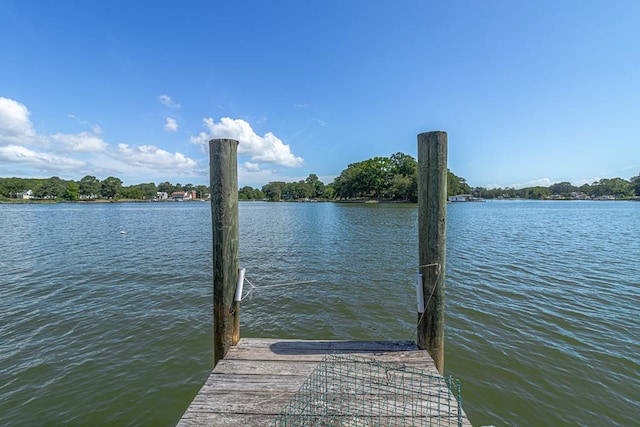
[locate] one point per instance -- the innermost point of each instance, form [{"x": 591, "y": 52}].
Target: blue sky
[{"x": 529, "y": 92}]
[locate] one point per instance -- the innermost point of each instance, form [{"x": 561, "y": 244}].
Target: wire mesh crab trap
[{"x": 357, "y": 392}]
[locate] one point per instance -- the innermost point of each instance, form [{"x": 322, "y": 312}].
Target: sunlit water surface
[{"x": 105, "y": 310}]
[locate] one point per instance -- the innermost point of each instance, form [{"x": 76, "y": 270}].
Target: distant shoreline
[
  {"x": 5, "y": 201},
  {"x": 101, "y": 201}
]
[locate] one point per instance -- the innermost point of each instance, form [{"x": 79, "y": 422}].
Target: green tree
[
  {"x": 346, "y": 185},
  {"x": 510, "y": 193},
  {"x": 617, "y": 187},
  {"x": 149, "y": 190},
  {"x": 540, "y": 193},
  {"x": 131, "y": 192},
  {"x": 586, "y": 189},
  {"x": 274, "y": 190},
  {"x": 394, "y": 177},
  {"x": 317, "y": 185},
  {"x": 402, "y": 187},
  {"x": 166, "y": 187},
  {"x": 258, "y": 194},
  {"x": 111, "y": 187},
  {"x": 245, "y": 192},
  {"x": 298, "y": 190},
  {"x": 563, "y": 189},
  {"x": 635, "y": 185},
  {"x": 536, "y": 193},
  {"x": 52, "y": 188},
  {"x": 403, "y": 164},
  {"x": 72, "y": 192},
  {"x": 375, "y": 176},
  {"x": 202, "y": 191},
  {"x": 481, "y": 192},
  {"x": 621, "y": 188},
  {"x": 250, "y": 193},
  {"x": 404, "y": 177},
  {"x": 90, "y": 186},
  {"x": 329, "y": 192},
  {"x": 139, "y": 191},
  {"x": 10, "y": 186},
  {"x": 369, "y": 178},
  {"x": 456, "y": 185}
]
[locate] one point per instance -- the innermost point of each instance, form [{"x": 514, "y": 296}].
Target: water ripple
[{"x": 542, "y": 300}]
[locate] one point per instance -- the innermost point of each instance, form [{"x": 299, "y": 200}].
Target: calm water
[{"x": 103, "y": 328}]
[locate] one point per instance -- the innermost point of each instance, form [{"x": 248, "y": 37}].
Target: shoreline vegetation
[
  {"x": 8, "y": 201},
  {"x": 377, "y": 180}
]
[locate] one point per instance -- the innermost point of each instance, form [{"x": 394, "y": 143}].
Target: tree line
[
  {"x": 391, "y": 178},
  {"x": 396, "y": 178},
  {"x": 91, "y": 188},
  {"x": 310, "y": 188},
  {"x": 606, "y": 187},
  {"x": 383, "y": 178}
]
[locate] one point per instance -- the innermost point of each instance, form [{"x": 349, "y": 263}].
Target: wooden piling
[
  {"x": 224, "y": 224},
  {"x": 432, "y": 226}
]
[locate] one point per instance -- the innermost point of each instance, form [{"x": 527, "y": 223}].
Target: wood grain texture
[
  {"x": 432, "y": 226},
  {"x": 224, "y": 225},
  {"x": 258, "y": 377}
]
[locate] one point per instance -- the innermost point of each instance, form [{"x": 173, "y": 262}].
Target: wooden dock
[
  {"x": 259, "y": 382},
  {"x": 256, "y": 379}
]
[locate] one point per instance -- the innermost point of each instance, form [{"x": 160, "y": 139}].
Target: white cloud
[
  {"x": 301, "y": 106},
  {"x": 153, "y": 157},
  {"x": 23, "y": 155},
  {"x": 167, "y": 101},
  {"x": 542, "y": 182},
  {"x": 202, "y": 139},
  {"x": 171, "y": 125},
  {"x": 267, "y": 148},
  {"x": 80, "y": 142},
  {"x": 94, "y": 127},
  {"x": 251, "y": 167},
  {"x": 15, "y": 125},
  {"x": 258, "y": 178},
  {"x": 85, "y": 152},
  {"x": 589, "y": 181}
]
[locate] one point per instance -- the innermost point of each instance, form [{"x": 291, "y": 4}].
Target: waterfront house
[
  {"x": 26, "y": 194},
  {"x": 179, "y": 196},
  {"x": 465, "y": 198}
]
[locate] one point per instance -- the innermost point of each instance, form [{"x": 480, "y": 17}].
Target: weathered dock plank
[{"x": 258, "y": 377}]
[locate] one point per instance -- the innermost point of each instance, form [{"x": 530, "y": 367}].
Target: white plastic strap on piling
[
  {"x": 239, "y": 286},
  {"x": 419, "y": 293}
]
